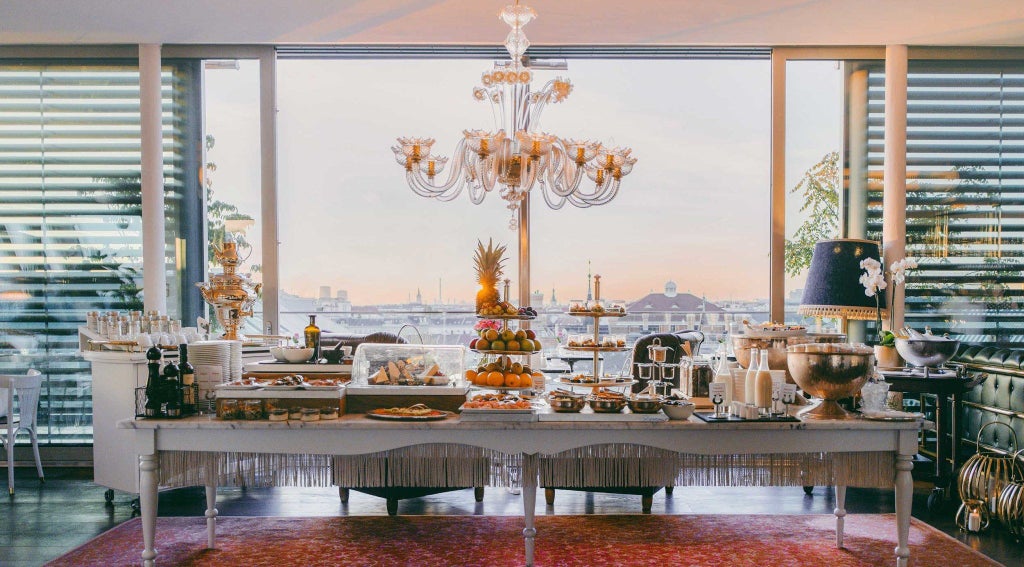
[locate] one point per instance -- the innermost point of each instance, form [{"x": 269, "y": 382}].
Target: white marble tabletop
[{"x": 361, "y": 422}]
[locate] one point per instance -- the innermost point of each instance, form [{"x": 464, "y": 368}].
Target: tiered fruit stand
[{"x": 505, "y": 319}]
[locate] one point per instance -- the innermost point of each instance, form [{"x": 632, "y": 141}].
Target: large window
[
  {"x": 358, "y": 244},
  {"x": 70, "y": 217},
  {"x": 965, "y": 166}
]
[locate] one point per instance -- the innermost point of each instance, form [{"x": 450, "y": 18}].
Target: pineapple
[{"x": 489, "y": 264}]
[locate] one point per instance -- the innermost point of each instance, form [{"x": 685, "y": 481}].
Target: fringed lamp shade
[{"x": 833, "y": 288}]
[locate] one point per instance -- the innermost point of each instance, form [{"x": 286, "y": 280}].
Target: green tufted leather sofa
[{"x": 999, "y": 398}]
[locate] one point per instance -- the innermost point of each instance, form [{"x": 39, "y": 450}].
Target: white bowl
[
  {"x": 298, "y": 354},
  {"x": 278, "y": 354},
  {"x": 678, "y": 412}
]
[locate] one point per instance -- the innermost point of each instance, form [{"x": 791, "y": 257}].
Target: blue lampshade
[{"x": 833, "y": 288}]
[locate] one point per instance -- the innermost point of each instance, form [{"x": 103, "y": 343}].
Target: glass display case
[{"x": 409, "y": 365}]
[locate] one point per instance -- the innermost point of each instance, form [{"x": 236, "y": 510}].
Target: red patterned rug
[{"x": 736, "y": 541}]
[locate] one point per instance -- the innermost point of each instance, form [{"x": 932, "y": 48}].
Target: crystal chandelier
[{"x": 517, "y": 155}]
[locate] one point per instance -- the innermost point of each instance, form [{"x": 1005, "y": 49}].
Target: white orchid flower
[{"x": 871, "y": 265}]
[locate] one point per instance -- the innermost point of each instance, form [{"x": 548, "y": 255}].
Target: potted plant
[{"x": 874, "y": 281}]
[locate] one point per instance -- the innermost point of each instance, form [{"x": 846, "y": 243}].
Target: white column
[
  {"x": 268, "y": 180},
  {"x": 856, "y": 225},
  {"x": 154, "y": 272},
  {"x": 777, "y": 246},
  {"x": 894, "y": 200}
]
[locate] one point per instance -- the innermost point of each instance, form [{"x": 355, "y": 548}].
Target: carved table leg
[
  {"x": 343, "y": 493},
  {"x": 904, "y": 499},
  {"x": 211, "y": 504},
  {"x": 147, "y": 505},
  {"x": 840, "y": 512},
  {"x": 549, "y": 496}
]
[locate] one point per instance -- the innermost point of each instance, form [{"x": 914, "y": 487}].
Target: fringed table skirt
[{"x": 457, "y": 465}]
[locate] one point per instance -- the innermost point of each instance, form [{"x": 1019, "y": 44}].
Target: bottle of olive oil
[{"x": 312, "y": 334}]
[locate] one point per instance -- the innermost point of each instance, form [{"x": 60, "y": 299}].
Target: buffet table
[{"x": 356, "y": 451}]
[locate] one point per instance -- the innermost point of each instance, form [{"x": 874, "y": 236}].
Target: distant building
[
  {"x": 537, "y": 298},
  {"x": 342, "y": 295},
  {"x": 673, "y": 311},
  {"x": 325, "y": 293}
]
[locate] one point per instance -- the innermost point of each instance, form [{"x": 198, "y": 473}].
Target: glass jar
[
  {"x": 697, "y": 381},
  {"x": 252, "y": 409},
  {"x": 227, "y": 409}
]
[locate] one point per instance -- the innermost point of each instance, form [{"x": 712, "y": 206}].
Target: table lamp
[{"x": 833, "y": 288}]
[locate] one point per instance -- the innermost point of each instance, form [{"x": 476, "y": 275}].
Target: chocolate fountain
[{"x": 231, "y": 295}]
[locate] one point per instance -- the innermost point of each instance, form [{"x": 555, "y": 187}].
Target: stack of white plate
[
  {"x": 212, "y": 361},
  {"x": 236, "y": 360}
]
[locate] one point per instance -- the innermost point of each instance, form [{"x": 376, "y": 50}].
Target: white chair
[{"x": 26, "y": 388}]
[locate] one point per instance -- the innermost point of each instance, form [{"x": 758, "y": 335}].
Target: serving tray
[{"x": 709, "y": 417}]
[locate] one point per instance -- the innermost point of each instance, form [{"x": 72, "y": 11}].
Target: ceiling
[{"x": 642, "y": 22}]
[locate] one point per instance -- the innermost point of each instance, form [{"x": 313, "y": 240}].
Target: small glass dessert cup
[{"x": 873, "y": 396}]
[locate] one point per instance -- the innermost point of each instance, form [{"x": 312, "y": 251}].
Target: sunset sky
[{"x": 694, "y": 210}]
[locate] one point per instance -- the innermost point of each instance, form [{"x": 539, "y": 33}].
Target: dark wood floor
[{"x": 42, "y": 522}]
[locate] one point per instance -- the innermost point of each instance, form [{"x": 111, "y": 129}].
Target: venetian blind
[
  {"x": 965, "y": 196},
  {"x": 70, "y": 216}
]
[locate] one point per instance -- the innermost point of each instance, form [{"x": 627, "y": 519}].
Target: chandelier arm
[
  {"x": 553, "y": 201},
  {"x": 477, "y": 194},
  {"x": 521, "y": 108},
  {"x": 500, "y": 95},
  {"x": 497, "y": 113},
  {"x": 527, "y": 182},
  {"x": 602, "y": 196},
  {"x": 565, "y": 180},
  {"x": 542, "y": 97},
  {"x": 423, "y": 188},
  {"x": 454, "y": 175},
  {"x": 481, "y": 168}
]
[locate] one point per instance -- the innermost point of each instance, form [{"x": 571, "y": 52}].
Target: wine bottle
[
  {"x": 763, "y": 386},
  {"x": 172, "y": 389},
  {"x": 188, "y": 378},
  {"x": 312, "y": 334},
  {"x": 749, "y": 385},
  {"x": 153, "y": 383}
]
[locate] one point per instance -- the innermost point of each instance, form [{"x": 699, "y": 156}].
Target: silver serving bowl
[
  {"x": 566, "y": 404},
  {"x": 607, "y": 405},
  {"x": 927, "y": 352},
  {"x": 830, "y": 372},
  {"x": 776, "y": 346},
  {"x": 644, "y": 405}
]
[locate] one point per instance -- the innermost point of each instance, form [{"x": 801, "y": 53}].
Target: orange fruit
[
  {"x": 511, "y": 380},
  {"x": 471, "y": 376},
  {"x": 525, "y": 380},
  {"x": 495, "y": 379}
]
